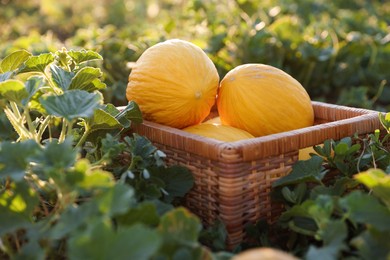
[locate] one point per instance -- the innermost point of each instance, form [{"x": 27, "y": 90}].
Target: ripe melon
[
  {"x": 174, "y": 83},
  {"x": 263, "y": 100},
  {"x": 215, "y": 121},
  {"x": 219, "y": 132}
]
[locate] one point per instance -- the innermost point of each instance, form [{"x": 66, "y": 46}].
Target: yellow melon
[
  {"x": 263, "y": 100},
  {"x": 174, "y": 83},
  {"x": 215, "y": 121},
  {"x": 264, "y": 253},
  {"x": 219, "y": 132}
]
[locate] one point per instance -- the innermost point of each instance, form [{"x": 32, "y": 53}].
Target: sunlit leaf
[
  {"x": 84, "y": 78},
  {"x": 14, "y": 60},
  {"x": 84, "y": 56},
  {"x": 103, "y": 120},
  {"x": 37, "y": 63},
  {"x": 91, "y": 178},
  {"x": 17, "y": 205},
  {"x": 378, "y": 181},
  {"x": 13, "y": 90}
]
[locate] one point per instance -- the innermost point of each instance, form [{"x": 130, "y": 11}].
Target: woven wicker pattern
[{"x": 233, "y": 180}]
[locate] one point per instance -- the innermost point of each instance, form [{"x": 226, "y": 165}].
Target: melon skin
[
  {"x": 263, "y": 100},
  {"x": 219, "y": 132},
  {"x": 174, "y": 83}
]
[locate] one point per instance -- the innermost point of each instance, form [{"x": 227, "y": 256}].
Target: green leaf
[
  {"x": 216, "y": 234},
  {"x": 17, "y": 205},
  {"x": 90, "y": 179},
  {"x": 112, "y": 146},
  {"x": 303, "y": 171},
  {"x": 329, "y": 252},
  {"x": 142, "y": 149},
  {"x": 84, "y": 56},
  {"x": 5, "y": 76},
  {"x": 378, "y": 181},
  {"x": 100, "y": 242},
  {"x": 73, "y": 217},
  {"x": 340, "y": 186},
  {"x": 103, "y": 120},
  {"x": 72, "y": 104},
  {"x": 14, "y": 60},
  {"x": 113, "y": 111},
  {"x": 35, "y": 103},
  {"x": 179, "y": 229},
  {"x": 16, "y": 157},
  {"x": 111, "y": 201},
  {"x": 180, "y": 225},
  {"x": 56, "y": 156},
  {"x": 162, "y": 207},
  {"x": 61, "y": 77},
  {"x": 32, "y": 85},
  {"x": 363, "y": 208},
  {"x": 384, "y": 118},
  {"x": 37, "y": 63},
  {"x": 132, "y": 112},
  {"x": 116, "y": 200},
  {"x": 372, "y": 244},
  {"x": 145, "y": 213},
  {"x": 85, "y": 79},
  {"x": 334, "y": 232},
  {"x": 178, "y": 180},
  {"x": 288, "y": 195},
  {"x": 13, "y": 90},
  {"x": 299, "y": 218},
  {"x": 32, "y": 250},
  {"x": 327, "y": 148},
  {"x": 341, "y": 149},
  {"x": 322, "y": 210}
]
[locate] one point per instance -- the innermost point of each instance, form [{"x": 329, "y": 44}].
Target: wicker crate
[{"x": 233, "y": 179}]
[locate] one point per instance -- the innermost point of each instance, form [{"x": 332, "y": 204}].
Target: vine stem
[
  {"x": 84, "y": 136},
  {"x": 51, "y": 84},
  {"x": 31, "y": 127},
  {"x": 63, "y": 131},
  {"x": 43, "y": 127},
  {"x": 17, "y": 124},
  {"x": 15, "y": 110}
]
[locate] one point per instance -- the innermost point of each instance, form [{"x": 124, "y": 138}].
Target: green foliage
[
  {"x": 337, "y": 202},
  {"x": 339, "y": 51},
  {"x": 70, "y": 185},
  {"x": 65, "y": 173}
]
